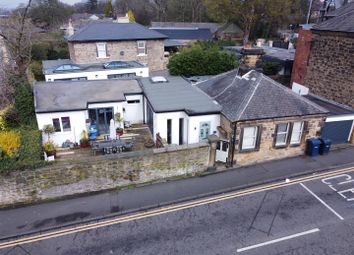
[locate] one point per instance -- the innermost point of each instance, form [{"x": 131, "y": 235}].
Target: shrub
[
  {"x": 39, "y": 52},
  {"x": 36, "y": 69},
  {"x": 8, "y": 118},
  {"x": 24, "y": 103},
  {"x": 270, "y": 68},
  {"x": 197, "y": 60},
  {"x": 10, "y": 143}
]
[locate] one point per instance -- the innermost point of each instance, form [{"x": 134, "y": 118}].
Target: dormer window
[
  {"x": 141, "y": 47},
  {"x": 101, "y": 50}
]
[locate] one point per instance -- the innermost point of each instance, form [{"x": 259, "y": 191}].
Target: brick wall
[
  {"x": 101, "y": 173},
  {"x": 266, "y": 150},
  {"x": 86, "y": 53},
  {"x": 302, "y": 55},
  {"x": 330, "y": 69}
]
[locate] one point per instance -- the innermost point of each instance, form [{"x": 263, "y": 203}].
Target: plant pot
[
  {"x": 119, "y": 131},
  {"x": 84, "y": 145},
  {"x": 51, "y": 153}
]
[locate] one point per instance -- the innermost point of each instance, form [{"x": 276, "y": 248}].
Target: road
[{"x": 307, "y": 216}]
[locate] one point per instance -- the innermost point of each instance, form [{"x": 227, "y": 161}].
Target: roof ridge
[
  {"x": 248, "y": 97},
  {"x": 220, "y": 75},
  {"x": 289, "y": 91},
  {"x": 228, "y": 86}
]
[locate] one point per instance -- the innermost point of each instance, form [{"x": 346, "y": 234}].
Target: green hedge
[
  {"x": 30, "y": 154},
  {"x": 271, "y": 68},
  {"x": 201, "y": 60}
]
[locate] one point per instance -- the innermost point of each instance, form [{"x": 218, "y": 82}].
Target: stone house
[
  {"x": 261, "y": 119},
  {"x": 109, "y": 41},
  {"x": 324, "y": 59}
]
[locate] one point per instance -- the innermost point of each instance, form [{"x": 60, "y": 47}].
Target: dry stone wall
[{"x": 101, "y": 173}]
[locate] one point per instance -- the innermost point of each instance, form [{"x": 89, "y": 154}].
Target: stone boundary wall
[{"x": 98, "y": 173}]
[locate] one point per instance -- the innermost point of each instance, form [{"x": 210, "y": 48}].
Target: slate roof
[
  {"x": 256, "y": 96},
  {"x": 333, "y": 107},
  {"x": 75, "y": 95},
  {"x": 111, "y": 31},
  {"x": 185, "y": 33},
  {"x": 178, "y": 95},
  {"x": 341, "y": 23},
  {"x": 342, "y": 10}
]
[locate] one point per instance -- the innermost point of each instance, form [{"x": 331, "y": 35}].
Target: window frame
[
  {"x": 286, "y": 143},
  {"x": 300, "y": 133},
  {"x": 57, "y": 128},
  {"x": 141, "y": 48},
  {"x": 98, "y": 50},
  {"x": 62, "y": 124},
  {"x": 257, "y": 139}
]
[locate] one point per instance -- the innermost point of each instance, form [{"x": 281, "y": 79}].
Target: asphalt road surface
[{"x": 311, "y": 217}]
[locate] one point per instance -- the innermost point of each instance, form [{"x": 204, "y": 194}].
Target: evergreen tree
[
  {"x": 108, "y": 9},
  {"x": 131, "y": 16}
]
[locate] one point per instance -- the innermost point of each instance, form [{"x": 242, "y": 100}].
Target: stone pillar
[{"x": 213, "y": 139}]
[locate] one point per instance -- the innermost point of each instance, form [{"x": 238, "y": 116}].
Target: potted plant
[
  {"x": 49, "y": 148},
  {"x": 48, "y": 130},
  {"x": 84, "y": 141},
  {"x": 119, "y": 120}
]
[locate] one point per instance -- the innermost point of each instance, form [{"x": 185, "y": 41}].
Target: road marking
[
  {"x": 278, "y": 240},
  {"x": 322, "y": 202},
  {"x": 164, "y": 210}
]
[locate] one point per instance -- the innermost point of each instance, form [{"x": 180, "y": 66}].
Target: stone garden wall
[{"x": 101, "y": 173}]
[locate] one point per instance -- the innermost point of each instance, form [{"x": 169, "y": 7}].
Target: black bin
[
  {"x": 313, "y": 147},
  {"x": 325, "y": 146}
]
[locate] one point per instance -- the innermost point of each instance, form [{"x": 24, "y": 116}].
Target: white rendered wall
[
  {"x": 191, "y": 126},
  {"x": 77, "y": 122},
  {"x": 194, "y": 125},
  {"x": 160, "y": 125},
  {"x": 98, "y": 75},
  {"x": 133, "y": 112}
]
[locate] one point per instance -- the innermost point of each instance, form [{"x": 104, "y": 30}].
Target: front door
[
  {"x": 222, "y": 151},
  {"x": 204, "y": 131},
  {"x": 102, "y": 118}
]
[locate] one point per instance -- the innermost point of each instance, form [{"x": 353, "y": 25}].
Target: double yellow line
[{"x": 169, "y": 209}]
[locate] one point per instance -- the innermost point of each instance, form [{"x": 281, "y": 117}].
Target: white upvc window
[
  {"x": 282, "y": 134},
  {"x": 249, "y": 140},
  {"x": 141, "y": 47},
  {"x": 297, "y": 132},
  {"x": 101, "y": 50}
]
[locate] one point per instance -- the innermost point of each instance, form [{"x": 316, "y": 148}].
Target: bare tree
[{"x": 16, "y": 32}]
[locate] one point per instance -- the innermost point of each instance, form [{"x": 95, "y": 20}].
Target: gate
[{"x": 222, "y": 151}]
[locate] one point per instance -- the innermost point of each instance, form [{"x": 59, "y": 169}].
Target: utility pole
[{"x": 309, "y": 12}]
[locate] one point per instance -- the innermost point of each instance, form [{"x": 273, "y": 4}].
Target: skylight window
[{"x": 158, "y": 79}]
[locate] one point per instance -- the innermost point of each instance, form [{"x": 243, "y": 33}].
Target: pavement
[
  {"x": 312, "y": 216},
  {"x": 40, "y": 217}
]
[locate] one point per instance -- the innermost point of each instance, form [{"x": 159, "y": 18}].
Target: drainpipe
[{"x": 233, "y": 146}]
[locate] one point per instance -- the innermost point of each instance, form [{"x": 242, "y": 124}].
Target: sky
[{"x": 9, "y": 4}]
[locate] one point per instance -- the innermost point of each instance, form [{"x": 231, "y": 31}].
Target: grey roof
[
  {"x": 256, "y": 96},
  {"x": 50, "y": 65},
  {"x": 212, "y": 26},
  {"x": 270, "y": 53},
  {"x": 112, "y": 31},
  {"x": 333, "y": 107},
  {"x": 185, "y": 33},
  {"x": 173, "y": 43},
  {"x": 75, "y": 95},
  {"x": 341, "y": 10},
  {"x": 340, "y": 23},
  {"x": 178, "y": 95}
]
